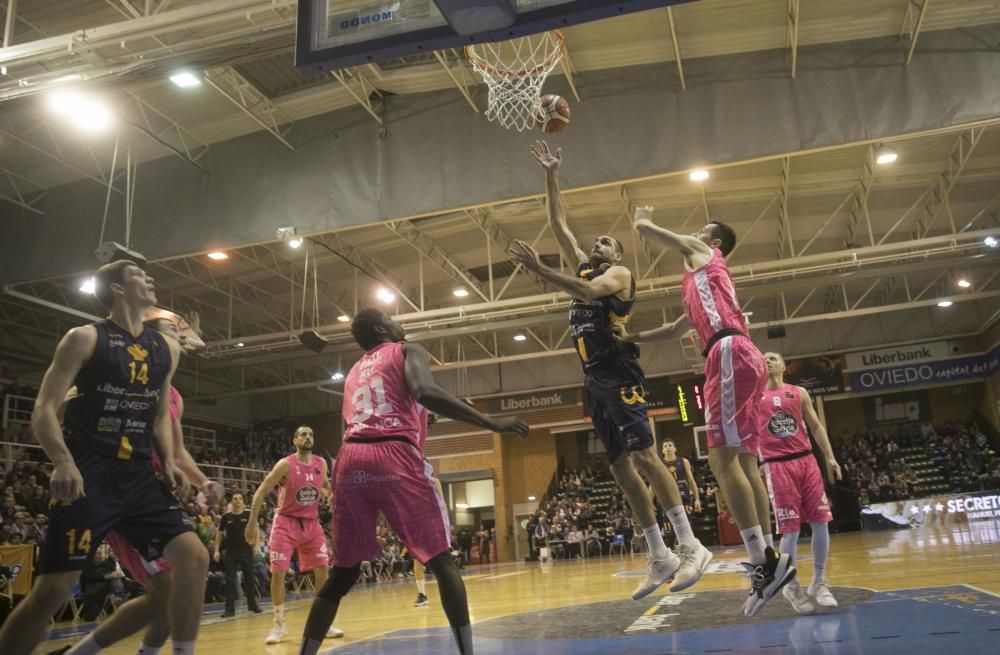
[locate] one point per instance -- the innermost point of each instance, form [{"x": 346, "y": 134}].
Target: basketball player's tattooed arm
[
  {"x": 550, "y": 162},
  {"x": 163, "y": 427},
  {"x": 615, "y": 280},
  {"x": 277, "y": 474},
  {"x": 437, "y": 399},
  {"x": 665, "y": 332},
  {"x": 695, "y": 253},
  {"x": 71, "y": 354},
  {"x": 819, "y": 434}
]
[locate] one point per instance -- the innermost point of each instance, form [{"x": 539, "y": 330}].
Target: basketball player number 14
[{"x": 362, "y": 399}]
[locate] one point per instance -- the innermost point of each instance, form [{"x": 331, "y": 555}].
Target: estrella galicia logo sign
[
  {"x": 782, "y": 425},
  {"x": 307, "y": 495}
]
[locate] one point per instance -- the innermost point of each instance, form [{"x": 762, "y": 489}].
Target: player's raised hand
[
  {"x": 66, "y": 483},
  {"x": 546, "y": 158},
  {"x": 621, "y": 333},
  {"x": 512, "y": 425},
  {"x": 522, "y": 253},
  {"x": 644, "y": 213}
]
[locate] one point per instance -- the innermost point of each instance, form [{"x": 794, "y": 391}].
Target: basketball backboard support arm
[{"x": 335, "y": 34}]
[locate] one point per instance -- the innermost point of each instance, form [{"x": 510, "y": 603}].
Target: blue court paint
[{"x": 927, "y": 621}]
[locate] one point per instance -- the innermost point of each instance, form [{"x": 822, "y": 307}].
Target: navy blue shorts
[
  {"x": 124, "y": 495},
  {"x": 618, "y": 410}
]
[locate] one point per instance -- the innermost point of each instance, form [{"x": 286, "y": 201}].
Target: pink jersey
[
  {"x": 782, "y": 430},
  {"x": 377, "y": 401},
  {"x": 710, "y": 299},
  {"x": 175, "y": 411},
  {"x": 298, "y": 495}
]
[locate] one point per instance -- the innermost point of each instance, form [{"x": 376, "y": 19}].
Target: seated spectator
[{"x": 101, "y": 579}]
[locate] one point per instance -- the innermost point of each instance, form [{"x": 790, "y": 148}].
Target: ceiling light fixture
[
  {"x": 460, "y": 292},
  {"x": 991, "y": 241},
  {"x": 461, "y": 506},
  {"x": 964, "y": 283},
  {"x": 86, "y": 113},
  {"x": 217, "y": 255},
  {"x": 240, "y": 344},
  {"x": 945, "y": 303},
  {"x": 520, "y": 337},
  {"x": 89, "y": 286},
  {"x": 385, "y": 295},
  {"x": 886, "y": 155},
  {"x": 294, "y": 243},
  {"x": 699, "y": 175},
  {"x": 185, "y": 80},
  {"x": 337, "y": 377},
  {"x": 343, "y": 318}
]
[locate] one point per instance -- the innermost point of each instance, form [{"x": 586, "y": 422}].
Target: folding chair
[{"x": 619, "y": 543}]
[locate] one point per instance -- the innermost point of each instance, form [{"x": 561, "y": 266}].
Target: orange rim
[{"x": 548, "y": 62}]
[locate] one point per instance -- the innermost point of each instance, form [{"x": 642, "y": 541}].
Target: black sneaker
[
  {"x": 228, "y": 613},
  {"x": 255, "y": 609},
  {"x": 766, "y": 580},
  {"x": 421, "y": 601}
]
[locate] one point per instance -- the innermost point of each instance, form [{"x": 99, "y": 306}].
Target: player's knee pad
[{"x": 339, "y": 583}]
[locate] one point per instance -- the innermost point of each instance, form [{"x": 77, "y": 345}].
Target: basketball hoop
[{"x": 515, "y": 71}]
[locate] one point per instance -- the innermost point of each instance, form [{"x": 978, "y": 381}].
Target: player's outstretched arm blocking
[
  {"x": 439, "y": 400},
  {"x": 665, "y": 332},
  {"x": 690, "y": 247}
]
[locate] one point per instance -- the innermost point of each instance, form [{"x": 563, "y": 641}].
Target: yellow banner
[{"x": 16, "y": 569}]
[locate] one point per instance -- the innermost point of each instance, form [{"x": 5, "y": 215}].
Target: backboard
[{"x": 334, "y": 34}]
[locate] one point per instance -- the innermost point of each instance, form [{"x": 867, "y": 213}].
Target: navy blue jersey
[
  {"x": 118, "y": 389},
  {"x": 590, "y": 323},
  {"x": 676, "y": 468}
]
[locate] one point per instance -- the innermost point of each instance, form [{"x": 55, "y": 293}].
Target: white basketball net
[{"x": 515, "y": 71}]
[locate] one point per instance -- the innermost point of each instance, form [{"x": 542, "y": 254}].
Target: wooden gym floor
[{"x": 916, "y": 591}]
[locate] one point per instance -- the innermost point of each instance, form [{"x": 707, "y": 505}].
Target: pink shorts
[
  {"x": 797, "y": 493},
  {"x": 391, "y": 477},
  {"x": 305, "y": 536},
  {"x": 735, "y": 377},
  {"x": 137, "y": 567}
]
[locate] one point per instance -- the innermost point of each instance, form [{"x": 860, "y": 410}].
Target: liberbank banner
[
  {"x": 528, "y": 402},
  {"x": 923, "y": 373}
]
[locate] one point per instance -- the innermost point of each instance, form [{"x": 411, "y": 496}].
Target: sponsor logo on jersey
[
  {"x": 786, "y": 514},
  {"x": 109, "y": 424},
  {"x": 134, "y": 405},
  {"x": 110, "y": 404},
  {"x": 364, "y": 477},
  {"x": 307, "y": 495},
  {"x": 782, "y": 425},
  {"x": 138, "y": 353},
  {"x": 135, "y": 425}
]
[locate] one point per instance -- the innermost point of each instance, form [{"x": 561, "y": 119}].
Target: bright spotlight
[
  {"x": 964, "y": 283},
  {"x": 460, "y": 293},
  {"x": 217, "y": 255},
  {"x": 343, "y": 318},
  {"x": 945, "y": 303},
  {"x": 886, "y": 155},
  {"x": 699, "y": 175},
  {"x": 88, "y": 287},
  {"x": 461, "y": 506},
  {"x": 294, "y": 243},
  {"x": 185, "y": 80},
  {"x": 519, "y": 337},
  {"x": 991, "y": 241},
  {"x": 240, "y": 344},
  {"x": 385, "y": 295},
  {"x": 337, "y": 377},
  {"x": 86, "y": 113}
]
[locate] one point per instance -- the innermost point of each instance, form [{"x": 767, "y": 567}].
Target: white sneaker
[
  {"x": 694, "y": 560},
  {"x": 334, "y": 633},
  {"x": 277, "y": 633},
  {"x": 658, "y": 571},
  {"x": 797, "y": 596},
  {"x": 819, "y": 589}
]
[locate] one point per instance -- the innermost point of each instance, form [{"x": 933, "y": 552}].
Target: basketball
[{"x": 554, "y": 114}]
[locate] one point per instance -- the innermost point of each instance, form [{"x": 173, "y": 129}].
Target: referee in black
[{"x": 239, "y": 553}]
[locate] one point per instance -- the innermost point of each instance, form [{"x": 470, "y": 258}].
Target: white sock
[
  {"x": 769, "y": 540},
  {"x": 821, "y": 548},
  {"x": 682, "y": 527},
  {"x": 422, "y": 587},
  {"x": 183, "y": 648},
  {"x": 657, "y": 549},
  {"x": 279, "y": 613},
  {"x": 148, "y": 650},
  {"x": 310, "y": 646},
  {"x": 753, "y": 539},
  {"x": 86, "y": 647}
]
